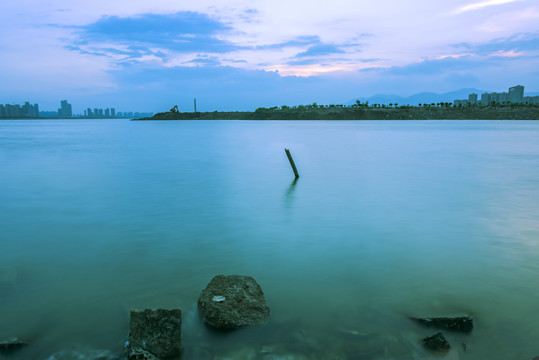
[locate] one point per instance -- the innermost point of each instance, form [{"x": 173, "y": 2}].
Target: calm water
[{"x": 388, "y": 219}]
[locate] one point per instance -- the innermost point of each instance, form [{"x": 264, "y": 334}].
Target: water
[{"x": 389, "y": 219}]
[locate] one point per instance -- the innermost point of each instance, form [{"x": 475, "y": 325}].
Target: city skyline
[
  {"x": 240, "y": 55},
  {"x": 65, "y": 111},
  {"x": 514, "y": 95},
  {"x": 486, "y": 98}
]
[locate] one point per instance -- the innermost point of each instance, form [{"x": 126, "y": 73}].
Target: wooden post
[{"x": 292, "y": 163}]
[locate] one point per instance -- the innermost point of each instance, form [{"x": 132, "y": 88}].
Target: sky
[{"x": 141, "y": 55}]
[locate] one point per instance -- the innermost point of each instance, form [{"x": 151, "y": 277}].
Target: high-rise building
[
  {"x": 112, "y": 112},
  {"x": 484, "y": 99},
  {"x": 13, "y": 111},
  {"x": 65, "y": 111},
  {"x": 502, "y": 98},
  {"x": 26, "y": 109},
  {"x": 107, "y": 113},
  {"x": 472, "y": 99},
  {"x": 29, "y": 111},
  {"x": 531, "y": 99},
  {"x": 516, "y": 94},
  {"x": 2, "y": 111}
]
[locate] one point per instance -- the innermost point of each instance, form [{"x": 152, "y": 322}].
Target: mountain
[{"x": 421, "y": 98}]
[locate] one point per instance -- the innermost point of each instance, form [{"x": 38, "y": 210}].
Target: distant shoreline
[{"x": 513, "y": 112}]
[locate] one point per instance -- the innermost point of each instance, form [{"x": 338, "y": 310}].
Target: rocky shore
[
  {"x": 517, "y": 112},
  {"x": 233, "y": 322}
]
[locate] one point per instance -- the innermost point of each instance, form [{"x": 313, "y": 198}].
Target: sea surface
[{"x": 389, "y": 219}]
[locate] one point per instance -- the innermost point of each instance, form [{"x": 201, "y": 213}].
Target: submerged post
[{"x": 292, "y": 163}]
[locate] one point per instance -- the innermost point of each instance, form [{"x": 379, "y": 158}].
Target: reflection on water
[
  {"x": 289, "y": 196},
  {"x": 389, "y": 220}
]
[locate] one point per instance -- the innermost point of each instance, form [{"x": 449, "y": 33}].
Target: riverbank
[{"x": 358, "y": 113}]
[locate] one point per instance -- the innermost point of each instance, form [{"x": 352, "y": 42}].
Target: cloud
[
  {"x": 84, "y": 52},
  {"x": 182, "y": 38},
  {"x": 312, "y": 61},
  {"x": 297, "y": 42},
  {"x": 480, "y": 5},
  {"x": 220, "y": 87},
  {"x": 204, "y": 60},
  {"x": 318, "y": 54},
  {"x": 519, "y": 43},
  {"x": 320, "y": 50},
  {"x": 437, "y": 66},
  {"x": 146, "y": 27},
  {"x": 369, "y": 60},
  {"x": 180, "y": 32},
  {"x": 446, "y": 74}
]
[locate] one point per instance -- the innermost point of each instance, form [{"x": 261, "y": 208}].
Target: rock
[
  {"x": 84, "y": 354},
  {"x": 436, "y": 342},
  {"x": 154, "y": 333},
  {"x": 11, "y": 345},
  {"x": 460, "y": 324},
  {"x": 139, "y": 354},
  {"x": 229, "y": 302}
]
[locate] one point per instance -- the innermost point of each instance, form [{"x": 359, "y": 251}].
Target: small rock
[
  {"x": 436, "y": 342},
  {"x": 155, "y": 333},
  {"x": 80, "y": 353},
  {"x": 139, "y": 354},
  {"x": 460, "y": 324},
  {"x": 229, "y": 302},
  {"x": 11, "y": 345}
]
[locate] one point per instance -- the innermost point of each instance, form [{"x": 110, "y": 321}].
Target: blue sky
[{"x": 239, "y": 55}]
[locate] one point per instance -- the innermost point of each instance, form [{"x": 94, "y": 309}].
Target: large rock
[
  {"x": 436, "y": 342},
  {"x": 460, "y": 324},
  {"x": 155, "y": 333},
  {"x": 229, "y": 302},
  {"x": 10, "y": 345}
]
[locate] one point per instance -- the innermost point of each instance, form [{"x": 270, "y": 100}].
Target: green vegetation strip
[{"x": 360, "y": 111}]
